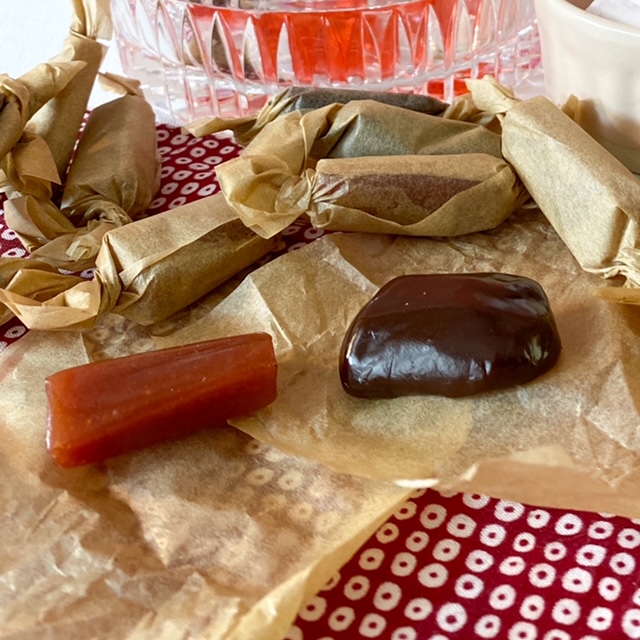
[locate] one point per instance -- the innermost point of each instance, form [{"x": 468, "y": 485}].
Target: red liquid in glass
[
  {"x": 341, "y": 42},
  {"x": 197, "y": 60}
]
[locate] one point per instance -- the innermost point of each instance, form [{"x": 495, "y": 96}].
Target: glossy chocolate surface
[{"x": 451, "y": 335}]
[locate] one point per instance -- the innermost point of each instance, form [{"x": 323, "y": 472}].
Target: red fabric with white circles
[
  {"x": 467, "y": 566},
  {"x": 443, "y": 567}
]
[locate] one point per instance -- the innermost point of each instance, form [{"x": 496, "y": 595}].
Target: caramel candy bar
[
  {"x": 451, "y": 335},
  {"x": 107, "y": 408}
]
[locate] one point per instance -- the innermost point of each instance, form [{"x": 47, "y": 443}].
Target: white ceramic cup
[{"x": 592, "y": 69}]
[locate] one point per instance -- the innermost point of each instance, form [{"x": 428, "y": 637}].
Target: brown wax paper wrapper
[
  {"x": 292, "y": 143},
  {"x": 32, "y": 279},
  {"x": 590, "y": 197},
  {"x": 160, "y": 265},
  {"x": 76, "y": 251},
  {"x": 36, "y": 221},
  {"x": 367, "y": 128},
  {"x": 446, "y": 195},
  {"x": 306, "y": 99},
  {"x": 22, "y": 97},
  {"x": 59, "y": 121},
  {"x": 51, "y": 237},
  {"x": 146, "y": 271},
  {"x": 465, "y": 109},
  {"x": 112, "y": 180},
  {"x": 44, "y": 299},
  {"x": 29, "y": 168},
  {"x": 570, "y": 437},
  {"x": 116, "y": 169},
  {"x": 213, "y": 536}
]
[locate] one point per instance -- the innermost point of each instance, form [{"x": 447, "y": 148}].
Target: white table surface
[{"x": 32, "y": 31}]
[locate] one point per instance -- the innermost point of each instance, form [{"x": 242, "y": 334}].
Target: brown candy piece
[
  {"x": 451, "y": 335},
  {"x": 308, "y": 98}
]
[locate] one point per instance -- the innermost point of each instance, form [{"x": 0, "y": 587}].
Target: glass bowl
[{"x": 198, "y": 59}]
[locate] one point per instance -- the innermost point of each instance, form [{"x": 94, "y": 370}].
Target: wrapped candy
[
  {"x": 591, "y": 199},
  {"x": 157, "y": 266},
  {"x": 59, "y": 121},
  {"x": 122, "y": 134},
  {"x": 38, "y": 160},
  {"x": 305, "y": 99},
  {"x": 145, "y": 271},
  {"x": 409, "y": 195},
  {"x": 97, "y": 196},
  {"x": 295, "y": 142}
]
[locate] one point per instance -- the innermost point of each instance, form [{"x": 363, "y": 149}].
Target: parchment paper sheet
[
  {"x": 574, "y": 428},
  {"x": 215, "y": 536},
  {"x": 225, "y": 534}
]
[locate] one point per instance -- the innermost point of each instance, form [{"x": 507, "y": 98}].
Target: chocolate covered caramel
[{"x": 451, "y": 335}]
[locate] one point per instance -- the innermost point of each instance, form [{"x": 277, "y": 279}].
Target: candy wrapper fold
[
  {"x": 36, "y": 221},
  {"x": 29, "y": 281},
  {"x": 24, "y": 96},
  {"x": 30, "y": 168}
]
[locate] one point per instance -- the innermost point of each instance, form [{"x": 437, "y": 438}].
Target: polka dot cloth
[
  {"x": 10, "y": 247},
  {"x": 467, "y": 566},
  {"x": 443, "y": 567}
]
